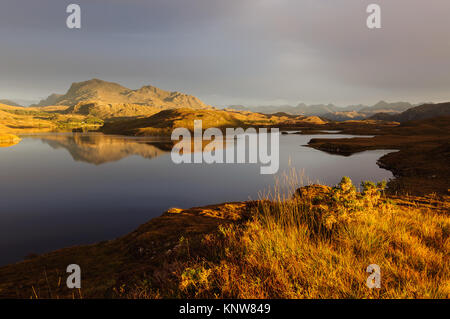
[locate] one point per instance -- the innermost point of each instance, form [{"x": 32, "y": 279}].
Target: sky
[{"x": 226, "y": 52}]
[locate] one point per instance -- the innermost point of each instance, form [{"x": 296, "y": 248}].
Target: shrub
[{"x": 305, "y": 247}]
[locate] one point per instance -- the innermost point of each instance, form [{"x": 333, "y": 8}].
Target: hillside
[
  {"x": 40, "y": 119},
  {"x": 165, "y": 121},
  {"x": 135, "y": 119},
  {"x": 104, "y": 92},
  {"x": 13, "y": 120},
  {"x": 421, "y": 112},
  {"x": 112, "y": 111}
]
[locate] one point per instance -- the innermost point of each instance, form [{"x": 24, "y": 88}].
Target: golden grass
[
  {"x": 316, "y": 244},
  {"x": 18, "y": 120}
]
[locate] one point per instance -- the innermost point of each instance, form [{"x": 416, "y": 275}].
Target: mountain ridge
[
  {"x": 331, "y": 111},
  {"x": 9, "y": 102},
  {"x": 104, "y": 92},
  {"x": 421, "y": 112}
]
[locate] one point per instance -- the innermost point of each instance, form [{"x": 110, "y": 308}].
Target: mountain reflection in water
[
  {"x": 97, "y": 148},
  {"x": 64, "y": 189}
]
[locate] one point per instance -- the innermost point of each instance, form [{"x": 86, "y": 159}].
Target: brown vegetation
[
  {"x": 164, "y": 122},
  {"x": 30, "y": 120},
  {"x": 421, "y": 162}
]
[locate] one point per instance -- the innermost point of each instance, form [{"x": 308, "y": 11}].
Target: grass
[
  {"x": 315, "y": 244},
  {"x": 60, "y": 120},
  {"x": 20, "y": 120}
]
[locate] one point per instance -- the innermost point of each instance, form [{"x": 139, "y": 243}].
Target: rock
[
  {"x": 312, "y": 191},
  {"x": 174, "y": 210}
]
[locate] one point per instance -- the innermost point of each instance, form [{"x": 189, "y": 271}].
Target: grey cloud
[{"x": 246, "y": 51}]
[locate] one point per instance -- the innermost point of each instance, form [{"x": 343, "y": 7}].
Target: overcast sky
[{"x": 231, "y": 51}]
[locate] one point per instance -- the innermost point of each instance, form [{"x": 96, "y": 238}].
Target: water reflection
[
  {"x": 7, "y": 140},
  {"x": 96, "y": 148},
  {"x": 9, "y": 143},
  {"x": 59, "y": 190}
]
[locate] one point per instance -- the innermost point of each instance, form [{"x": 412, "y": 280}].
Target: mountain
[
  {"x": 300, "y": 109},
  {"x": 112, "y": 110},
  {"x": 9, "y": 102},
  {"x": 52, "y": 99},
  {"x": 317, "y": 109},
  {"x": 383, "y": 106},
  {"x": 331, "y": 111},
  {"x": 360, "y": 112},
  {"x": 421, "y": 112},
  {"x": 104, "y": 92}
]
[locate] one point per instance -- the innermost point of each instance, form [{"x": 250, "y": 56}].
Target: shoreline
[
  {"x": 419, "y": 160},
  {"x": 146, "y": 246},
  {"x": 147, "y": 249},
  {"x": 108, "y": 265}
]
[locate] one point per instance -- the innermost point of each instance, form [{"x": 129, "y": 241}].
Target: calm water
[{"x": 58, "y": 190}]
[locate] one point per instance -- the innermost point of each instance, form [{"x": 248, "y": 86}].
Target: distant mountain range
[
  {"x": 109, "y": 100},
  {"x": 422, "y": 112},
  {"x": 9, "y": 102},
  {"x": 331, "y": 111},
  {"x": 300, "y": 109}
]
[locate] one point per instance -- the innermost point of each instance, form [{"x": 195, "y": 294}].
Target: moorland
[{"x": 307, "y": 242}]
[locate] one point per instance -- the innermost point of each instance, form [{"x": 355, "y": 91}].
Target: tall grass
[{"x": 316, "y": 242}]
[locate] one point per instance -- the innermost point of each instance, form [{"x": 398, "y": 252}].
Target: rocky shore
[{"x": 419, "y": 160}]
